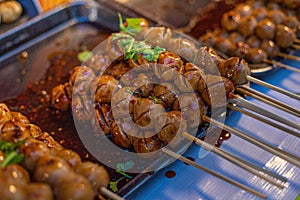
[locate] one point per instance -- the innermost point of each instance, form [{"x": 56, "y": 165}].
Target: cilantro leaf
[
  {"x": 10, "y": 151},
  {"x": 125, "y": 166},
  {"x": 113, "y": 185},
  {"x": 84, "y": 55},
  {"x": 298, "y": 197}
]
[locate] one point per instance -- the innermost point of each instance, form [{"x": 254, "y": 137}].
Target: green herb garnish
[
  {"x": 133, "y": 25},
  {"x": 10, "y": 151},
  {"x": 84, "y": 55},
  {"x": 121, "y": 168},
  {"x": 298, "y": 197},
  {"x": 130, "y": 46},
  {"x": 155, "y": 99},
  {"x": 132, "y": 92}
]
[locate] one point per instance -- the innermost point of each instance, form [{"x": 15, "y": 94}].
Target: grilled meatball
[
  {"x": 255, "y": 55},
  {"x": 260, "y": 13},
  {"x": 165, "y": 94},
  {"x": 146, "y": 145},
  {"x": 15, "y": 174},
  {"x": 50, "y": 169},
  {"x": 270, "y": 48},
  {"x": 174, "y": 124},
  {"x": 96, "y": 174},
  {"x": 235, "y": 69},
  {"x": 119, "y": 137},
  {"x": 39, "y": 191},
  {"x": 193, "y": 76},
  {"x": 247, "y": 26},
  {"x": 213, "y": 87},
  {"x": 103, "y": 87},
  {"x": 265, "y": 29},
  {"x": 253, "y": 41},
  {"x": 189, "y": 107},
  {"x": 60, "y": 98},
  {"x": 277, "y": 16},
  {"x": 170, "y": 59},
  {"x": 284, "y": 36},
  {"x": 32, "y": 150},
  {"x": 73, "y": 186},
  {"x": 291, "y": 21},
  {"x": 230, "y": 20},
  {"x": 12, "y": 191},
  {"x": 70, "y": 156}
]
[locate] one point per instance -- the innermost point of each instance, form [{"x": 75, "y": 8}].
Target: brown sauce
[{"x": 170, "y": 174}]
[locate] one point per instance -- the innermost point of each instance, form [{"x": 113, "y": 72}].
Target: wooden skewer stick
[
  {"x": 224, "y": 178},
  {"x": 262, "y": 111},
  {"x": 113, "y": 196},
  {"x": 297, "y": 41},
  {"x": 266, "y": 147},
  {"x": 267, "y": 121},
  {"x": 258, "y": 171},
  {"x": 273, "y": 87},
  {"x": 288, "y": 56},
  {"x": 295, "y": 46},
  {"x": 278, "y": 64},
  {"x": 267, "y": 99}
]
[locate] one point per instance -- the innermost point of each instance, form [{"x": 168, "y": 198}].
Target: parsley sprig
[
  {"x": 121, "y": 168},
  {"x": 12, "y": 156},
  {"x": 130, "y": 46}
]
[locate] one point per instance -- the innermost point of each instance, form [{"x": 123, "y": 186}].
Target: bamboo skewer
[
  {"x": 254, "y": 141},
  {"x": 224, "y": 178},
  {"x": 267, "y": 99},
  {"x": 297, "y": 41},
  {"x": 113, "y": 196},
  {"x": 273, "y": 62},
  {"x": 295, "y": 46},
  {"x": 260, "y": 172},
  {"x": 272, "y": 87},
  {"x": 288, "y": 56},
  {"x": 262, "y": 111},
  {"x": 264, "y": 120}
]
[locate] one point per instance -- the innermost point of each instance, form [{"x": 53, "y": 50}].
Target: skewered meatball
[
  {"x": 173, "y": 125},
  {"x": 103, "y": 87},
  {"x": 70, "y": 156},
  {"x": 247, "y": 26},
  {"x": 230, "y": 20},
  {"x": 96, "y": 174},
  {"x": 146, "y": 145},
  {"x": 253, "y": 41},
  {"x": 193, "y": 75},
  {"x": 211, "y": 90},
  {"x": 12, "y": 191},
  {"x": 73, "y": 186},
  {"x": 165, "y": 94},
  {"x": 260, "y": 13},
  {"x": 291, "y": 21},
  {"x": 39, "y": 191},
  {"x": 15, "y": 174},
  {"x": 270, "y": 48},
  {"x": 119, "y": 137},
  {"x": 235, "y": 69},
  {"x": 284, "y": 36},
  {"x": 104, "y": 118},
  {"x": 32, "y": 150},
  {"x": 170, "y": 59},
  {"x": 50, "y": 169},
  {"x": 265, "y": 29},
  {"x": 61, "y": 99},
  {"x": 277, "y": 16},
  {"x": 255, "y": 55}
]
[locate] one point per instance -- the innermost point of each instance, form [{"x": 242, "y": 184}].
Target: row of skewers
[
  {"x": 45, "y": 170},
  {"x": 258, "y": 31},
  {"x": 100, "y": 84}
]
